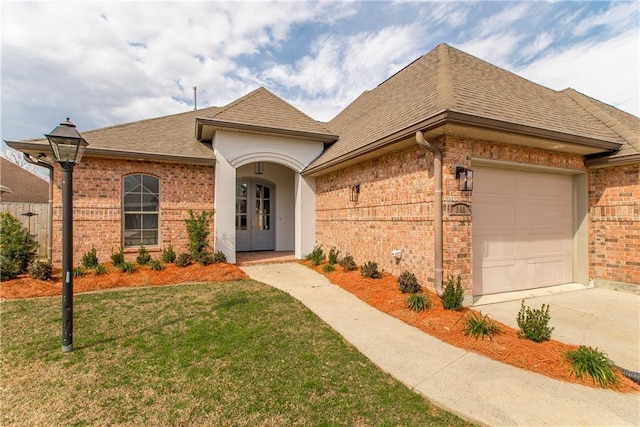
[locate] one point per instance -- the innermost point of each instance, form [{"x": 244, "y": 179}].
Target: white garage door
[{"x": 522, "y": 230}]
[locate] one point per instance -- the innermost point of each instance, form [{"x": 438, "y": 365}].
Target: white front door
[
  {"x": 522, "y": 230},
  {"x": 255, "y": 203}
]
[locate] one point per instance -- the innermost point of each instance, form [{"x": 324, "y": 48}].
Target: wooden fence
[{"x": 34, "y": 217}]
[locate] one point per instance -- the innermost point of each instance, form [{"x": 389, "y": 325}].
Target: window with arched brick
[{"x": 140, "y": 210}]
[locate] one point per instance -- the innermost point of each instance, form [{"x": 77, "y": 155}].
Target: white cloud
[
  {"x": 496, "y": 48},
  {"x": 608, "y": 71},
  {"x": 621, "y": 15},
  {"x": 541, "y": 42}
]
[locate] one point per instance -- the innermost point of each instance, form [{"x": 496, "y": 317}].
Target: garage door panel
[{"x": 522, "y": 230}]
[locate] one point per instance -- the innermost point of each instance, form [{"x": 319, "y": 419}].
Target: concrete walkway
[{"x": 472, "y": 386}]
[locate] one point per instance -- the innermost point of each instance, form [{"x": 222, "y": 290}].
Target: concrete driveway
[{"x": 596, "y": 317}]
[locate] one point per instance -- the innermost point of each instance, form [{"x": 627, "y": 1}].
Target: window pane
[
  {"x": 132, "y": 222},
  {"x": 266, "y": 193},
  {"x": 151, "y": 184},
  {"x": 150, "y": 202},
  {"x": 267, "y": 205},
  {"x": 150, "y": 221},
  {"x": 132, "y": 183},
  {"x": 132, "y": 202},
  {"x": 241, "y": 190},
  {"x": 150, "y": 237}
]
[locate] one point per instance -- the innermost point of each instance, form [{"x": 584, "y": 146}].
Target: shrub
[
  {"x": 198, "y": 231},
  {"x": 78, "y": 271},
  {"x": 127, "y": 267},
  {"x": 370, "y": 269},
  {"x": 453, "y": 294},
  {"x": 316, "y": 256},
  {"x": 100, "y": 269},
  {"x": 9, "y": 268},
  {"x": 333, "y": 256},
  {"x": 90, "y": 258},
  {"x": 328, "y": 268},
  {"x": 144, "y": 257},
  {"x": 418, "y": 302},
  {"x": 41, "y": 270},
  {"x": 588, "y": 361},
  {"x": 534, "y": 323},
  {"x": 219, "y": 256},
  {"x": 18, "y": 247},
  {"x": 183, "y": 260},
  {"x": 408, "y": 284},
  {"x": 477, "y": 325},
  {"x": 204, "y": 258},
  {"x": 168, "y": 255},
  {"x": 117, "y": 258},
  {"x": 156, "y": 265},
  {"x": 348, "y": 264}
]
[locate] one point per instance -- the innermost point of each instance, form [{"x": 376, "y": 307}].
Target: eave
[
  {"x": 206, "y": 128},
  {"x": 453, "y": 123}
]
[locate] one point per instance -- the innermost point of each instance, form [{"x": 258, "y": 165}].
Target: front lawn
[{"x": 234, "y": 353}]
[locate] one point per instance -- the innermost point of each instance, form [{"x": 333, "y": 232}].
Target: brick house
[{"x": 455, "y": 166}]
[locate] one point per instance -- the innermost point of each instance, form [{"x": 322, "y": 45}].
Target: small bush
[
  {"x": 204, "y": 258},
  {"x": 198, "y": 231},
  {"x": 168, "y": 254},
  {"x": 534, "y": 323},
  {"x": 41, "y": 270},
  {"x": 9, "y": 268},
  {"x": 408, "y": 284},
  {"x": 477, "y": 325},
  {"x": 588, "y": 361},
  {"x": 18, "y": 247},
  {"x": 100, "y": 269},
  {"x": 453, "y": 294},
  {"x": 144, "y": 257},
  {"x": 328, "y": 268},
  {"x": 219, "y": 256},
  {"x": 90, "y": 258},
  {"x": 418, "y": 302},
  {"x": 156, "y": 265},
  {"x": 348, "y": 264},
  {"x": 316, "y": 256},
  {"x": 127, "y": 267},
  {"x": 117, "y": 258},
  {"x": 370, "y": 269},
  {"x": 78, "y": 271},
  {"x": 333, "y": 256},
  {"x": 183, "y": 260}
]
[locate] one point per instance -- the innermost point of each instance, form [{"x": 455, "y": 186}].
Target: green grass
[{"x": 238, "y": 353}]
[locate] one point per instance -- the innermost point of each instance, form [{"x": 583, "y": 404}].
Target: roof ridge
[
  {"x": 590, "y": 105},
  {"x": 444, "y": 81},
  {"x": 238, "y": 101}
]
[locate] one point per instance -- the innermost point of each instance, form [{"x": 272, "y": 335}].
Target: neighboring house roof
[
  {"x": 23, "y": 186},
  {"x": 447, "y": 84},
  {"x": 261, "y": 111},
  {"x": 163, "y": 138}
]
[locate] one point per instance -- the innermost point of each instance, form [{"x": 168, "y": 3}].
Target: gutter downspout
[
  {"x": 437, "y": 226},
  {"x": 39, "y": 162}
]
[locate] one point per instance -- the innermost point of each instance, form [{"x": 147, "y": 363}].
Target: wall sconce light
[
  {"x": 465, "y": 178},
  {"x": 258, "y": 168},
  {"x": 355, "y": 191}
]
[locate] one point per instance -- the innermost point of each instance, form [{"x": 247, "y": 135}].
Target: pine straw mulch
[
  {"x": 25, "y": 287},
  {"x": 546, "y": 358}
]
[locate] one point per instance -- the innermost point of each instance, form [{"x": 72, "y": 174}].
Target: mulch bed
[{"x": 546, "y": 358}]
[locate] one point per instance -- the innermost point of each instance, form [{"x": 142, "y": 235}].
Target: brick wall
[
  {"x": 97, "y": 200},
  {"x": 395, "y": 206},
  {"x": 614, "y": 224}
]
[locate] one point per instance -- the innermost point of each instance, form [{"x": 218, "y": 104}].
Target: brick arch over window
[{"x": 140, "y": 210}]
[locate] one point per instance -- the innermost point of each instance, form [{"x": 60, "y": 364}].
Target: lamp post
[{"x": 68, "y": 147}]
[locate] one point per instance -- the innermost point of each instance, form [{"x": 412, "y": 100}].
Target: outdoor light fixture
[
  {"x": 258, "y": 168},
  {"x": 355, "y": 192},
  {"x": 68, "y": 147},
  {"x": 465, "y": 178}
]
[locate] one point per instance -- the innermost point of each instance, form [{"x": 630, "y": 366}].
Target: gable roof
[
  {"x": 263, "y": 112},
  {"x": 23, "y": 186},
  {"x": 447, "y": 85},
  {"x": 162, "y": 138}
]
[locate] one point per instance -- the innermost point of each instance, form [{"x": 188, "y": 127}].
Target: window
[{"x": 141, "y": 203}]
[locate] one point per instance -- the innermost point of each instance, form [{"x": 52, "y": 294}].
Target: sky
[{"x": 111, "y": 62}]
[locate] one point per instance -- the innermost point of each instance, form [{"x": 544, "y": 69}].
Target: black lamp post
[{"x": 68, "y": 147}]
